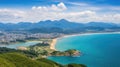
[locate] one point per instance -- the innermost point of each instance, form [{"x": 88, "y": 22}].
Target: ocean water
[{"x": 98, "y": 50}]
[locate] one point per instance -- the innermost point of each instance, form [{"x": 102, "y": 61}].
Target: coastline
[
  {"x": 53, "y": 43},
  {"x": 81, "y": 34}
]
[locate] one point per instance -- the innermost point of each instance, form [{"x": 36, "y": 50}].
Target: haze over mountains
[{"x": 59, "y": 26}]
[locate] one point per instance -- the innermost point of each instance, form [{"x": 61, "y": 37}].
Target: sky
[{"x": 81, "y": 11}]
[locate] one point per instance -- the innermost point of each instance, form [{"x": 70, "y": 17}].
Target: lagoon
[{"x": 24, "y": 44}]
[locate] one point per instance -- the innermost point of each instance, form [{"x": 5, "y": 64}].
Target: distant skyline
[{"x": 82, "y": 11}]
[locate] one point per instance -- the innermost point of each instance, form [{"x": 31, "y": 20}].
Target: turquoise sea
[{"x": 98, "y": 50}]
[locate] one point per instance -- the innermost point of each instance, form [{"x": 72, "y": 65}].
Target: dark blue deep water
[{"x": 98, "y": 50}]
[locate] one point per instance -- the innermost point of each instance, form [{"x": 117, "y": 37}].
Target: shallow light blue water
[
  {"x": 98, "y": 50},
  {"x": 20, "y": 44}
]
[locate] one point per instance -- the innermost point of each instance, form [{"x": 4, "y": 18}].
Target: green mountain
[
  {"x": 59, "y": 26},
  {"x": 19, "y": 60}
]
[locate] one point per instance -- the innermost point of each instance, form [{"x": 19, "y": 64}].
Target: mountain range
[{"x": 59, "y": 26}]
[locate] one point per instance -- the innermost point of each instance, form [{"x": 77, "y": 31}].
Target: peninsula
[{"x": 46, "y": 49}]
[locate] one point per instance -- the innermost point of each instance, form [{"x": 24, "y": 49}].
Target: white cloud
[
  {"x": 62, "y": 6},
  {"x": 56, "y": 12},
  {"x": 53, "y": 7},
  {"x": 7, "y": 15}
]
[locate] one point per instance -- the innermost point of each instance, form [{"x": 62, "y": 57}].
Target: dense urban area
[{"x": 7, "y": 38}]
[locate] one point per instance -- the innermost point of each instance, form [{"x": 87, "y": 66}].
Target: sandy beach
[
  {"x": 52, "y": 45},
  {"x": 81, "y": 34}
]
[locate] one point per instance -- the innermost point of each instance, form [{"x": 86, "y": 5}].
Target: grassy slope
[{"x": 20, "y": 60}]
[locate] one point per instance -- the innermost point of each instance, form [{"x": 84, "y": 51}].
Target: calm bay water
[
  {"x": 20, "y": 44},
  {"x": 98, "y": 50}
]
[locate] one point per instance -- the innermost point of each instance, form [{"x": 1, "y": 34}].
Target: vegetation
[
  {"x": 75, "y": 65},
  {"x": 5, "y": 50},
  {"x": 60, "y": 26},
  {"x": 19, "y": 60},
  {"x": 34, "y": 57},
  {"x": 70, "y": 52},
  {"x": 13, "y": 59},
  {"x": 43, "y": 49},
  {"x": 18, "y": 40}
]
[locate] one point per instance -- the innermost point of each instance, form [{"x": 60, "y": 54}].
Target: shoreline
[
  {"x": 81, "y": 34},
  {"x": 53, "y": 43}
]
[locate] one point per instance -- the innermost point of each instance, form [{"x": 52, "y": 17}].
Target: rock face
[
  {"x": 70, "y": 52},
  {"x": 73, "y": 52}
]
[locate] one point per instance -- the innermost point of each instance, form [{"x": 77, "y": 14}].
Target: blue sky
[
  {"x": 29, "y": 3},
  {"x": 73, "y": 10}
]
